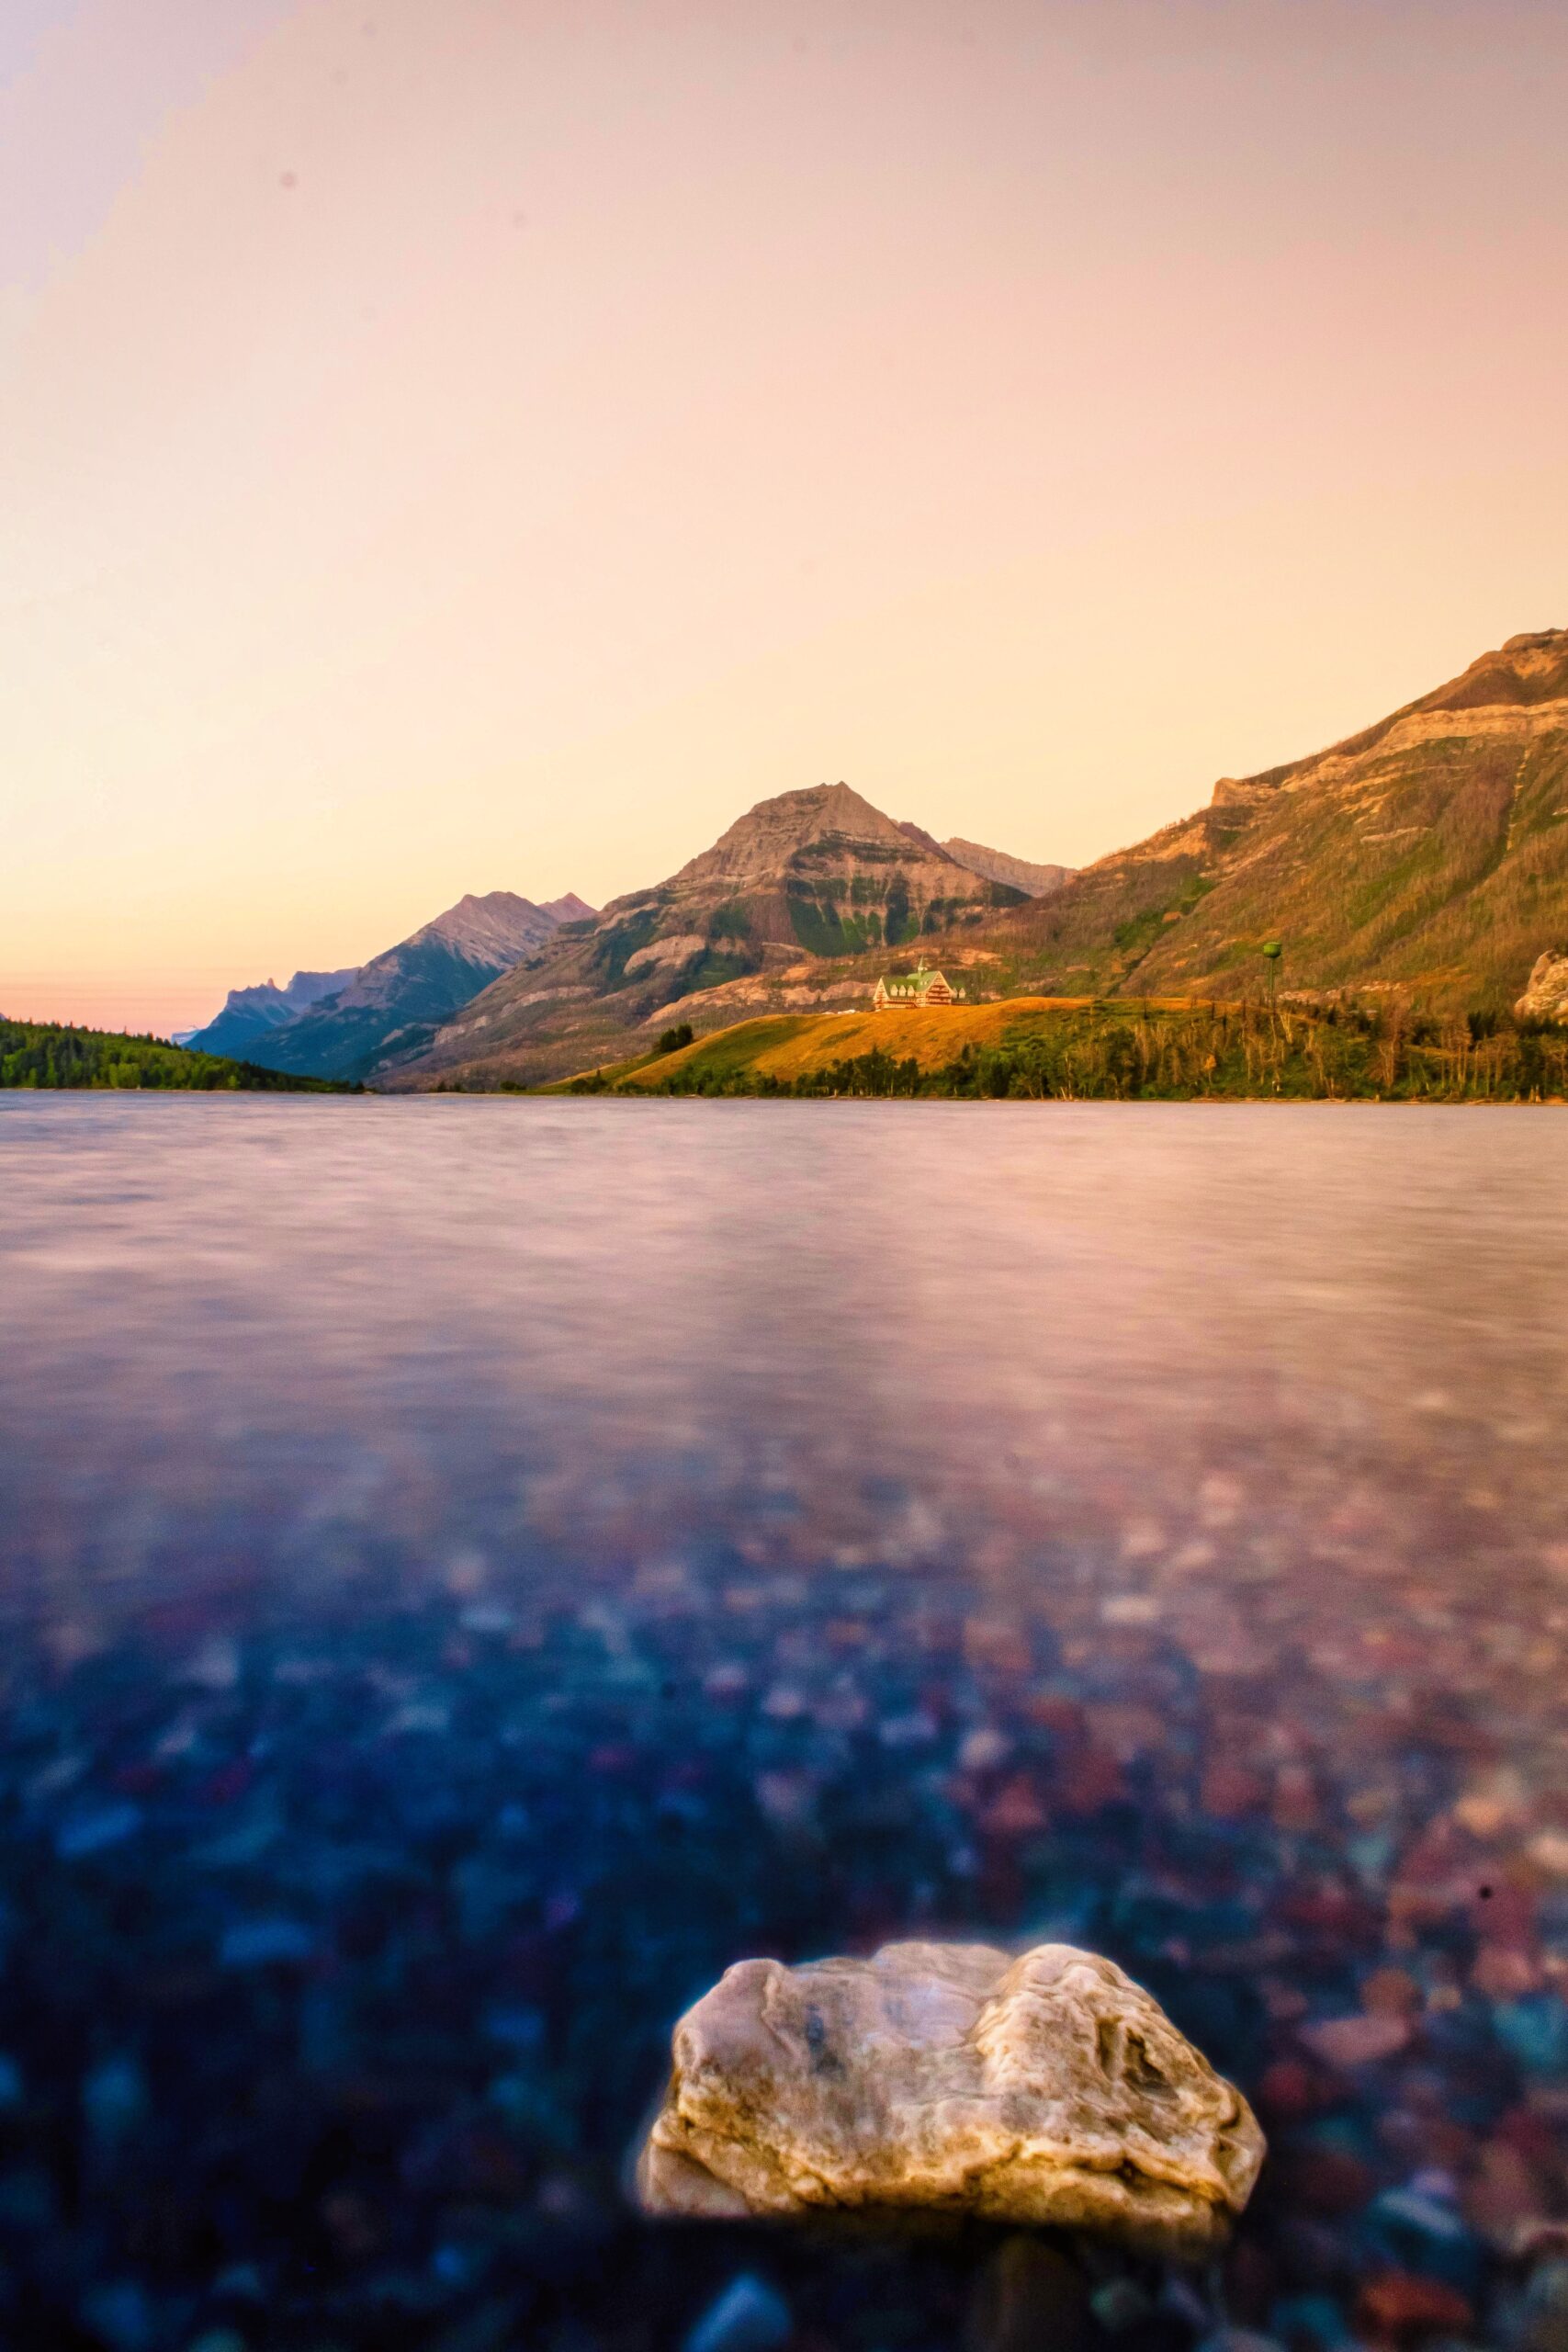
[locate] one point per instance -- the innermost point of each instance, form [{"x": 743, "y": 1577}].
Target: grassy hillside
[
  {"x": 49, "y": 1054},
  {"x": 1083, "y": 1049},
  {"x": 787, "y": 1046},
  {"x": 1427, "y": 856}
]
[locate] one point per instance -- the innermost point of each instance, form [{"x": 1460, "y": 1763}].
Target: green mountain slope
[{"x": 1428, "y": 855}]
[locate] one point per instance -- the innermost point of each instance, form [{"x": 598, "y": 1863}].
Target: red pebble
[
  {"x": 1397, "y": 2308},
  {"x": 1288, "y": 2089}
]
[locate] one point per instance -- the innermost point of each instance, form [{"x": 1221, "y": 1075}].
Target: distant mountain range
[
  {"x": 249, "y": 1014},
  {"x": 1034, "y": 881},
  {"x": 806, "y": 877},
  {"x": 1018, "y": 873},
  {"x": 799, "y": 883},
  {"x": 342, "y": 1024},
  {"x": 1425, "y": 855}
]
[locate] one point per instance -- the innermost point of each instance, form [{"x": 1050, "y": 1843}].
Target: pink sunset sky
[{"x": 452, "y": 444}]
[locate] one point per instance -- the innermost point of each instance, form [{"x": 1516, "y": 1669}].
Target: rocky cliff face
[
  {"x": 822, "y": 870},
  {"x": 806, "y": 877},
  {"x": 1425, "y": 853}
]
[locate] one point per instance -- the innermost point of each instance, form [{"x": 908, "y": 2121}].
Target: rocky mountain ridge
[
  {"x": 391, "y": 1008},
  {"x": 1426, "y": 855},
  {"x": 250, "y": 1013},
  {"x": 803, "y": 880},
  {"x": 995, "y": 864},
  {"x": 1020, "y": 873}
]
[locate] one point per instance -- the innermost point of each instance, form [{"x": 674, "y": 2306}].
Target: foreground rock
[
  {"x": 956, "y": 2079},
  {"x": 1546, "y": 994}
]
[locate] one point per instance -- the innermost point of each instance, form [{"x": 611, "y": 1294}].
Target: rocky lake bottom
[{"x": 471, "y": 1570}]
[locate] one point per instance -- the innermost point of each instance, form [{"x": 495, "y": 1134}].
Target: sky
[{"x": 460, "y": 445}]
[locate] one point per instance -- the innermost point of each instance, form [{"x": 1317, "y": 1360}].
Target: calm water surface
[{"x": 471, "y": 1569}]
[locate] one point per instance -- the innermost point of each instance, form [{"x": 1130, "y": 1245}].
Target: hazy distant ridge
[
  {"x": 249, "y": 1014},
  {"x": 1036, "y": 881},
  {"x": 391, "y": 1006}
]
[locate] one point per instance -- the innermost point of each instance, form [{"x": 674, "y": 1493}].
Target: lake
[{"x": 471, "y": 1569}]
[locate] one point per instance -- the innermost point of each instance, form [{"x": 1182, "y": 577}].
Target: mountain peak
[
  {"x": 768, "y": 836},
  {"x": 1532, "y": 668},
  {"x": 497, "y": 926},
  {"x": 801, "y": 879},
  {"x": 1521, "y": 674},
  {"x": 335, "y": 1024}
]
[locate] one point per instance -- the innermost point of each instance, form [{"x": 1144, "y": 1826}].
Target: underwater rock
[{"x": 954, "y": 2079}]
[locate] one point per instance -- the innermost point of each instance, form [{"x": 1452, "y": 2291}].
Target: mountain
[
  {"x": 1426, "y": 854},
  {"x": 1034, "y": 881},
  {"x": 572, "y": 909},
  {"x": 807, "y": 876},
  {"x": 249, "y": 1014},
  {"x": 1018, "y": 873},
  {"x": 391, "y": 1008}
]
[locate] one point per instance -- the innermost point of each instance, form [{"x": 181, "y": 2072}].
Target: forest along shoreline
[
  {"x": 1117, "y": 1052},
  {"x": 55, "y": 1056},
  {"x": 1015, "y": 1049}
]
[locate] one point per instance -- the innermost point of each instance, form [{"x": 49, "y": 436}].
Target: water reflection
[{"x": 472, "y": 1569}]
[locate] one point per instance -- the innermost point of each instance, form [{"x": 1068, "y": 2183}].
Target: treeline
[
  {"x": 49, "y": 1054},
  {"x": 1219, "y": 1053}
]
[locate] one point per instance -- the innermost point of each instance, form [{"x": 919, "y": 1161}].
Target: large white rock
[
  {"x": 1546, "y": 991},
  {"x": 952, "y": 2078}
]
